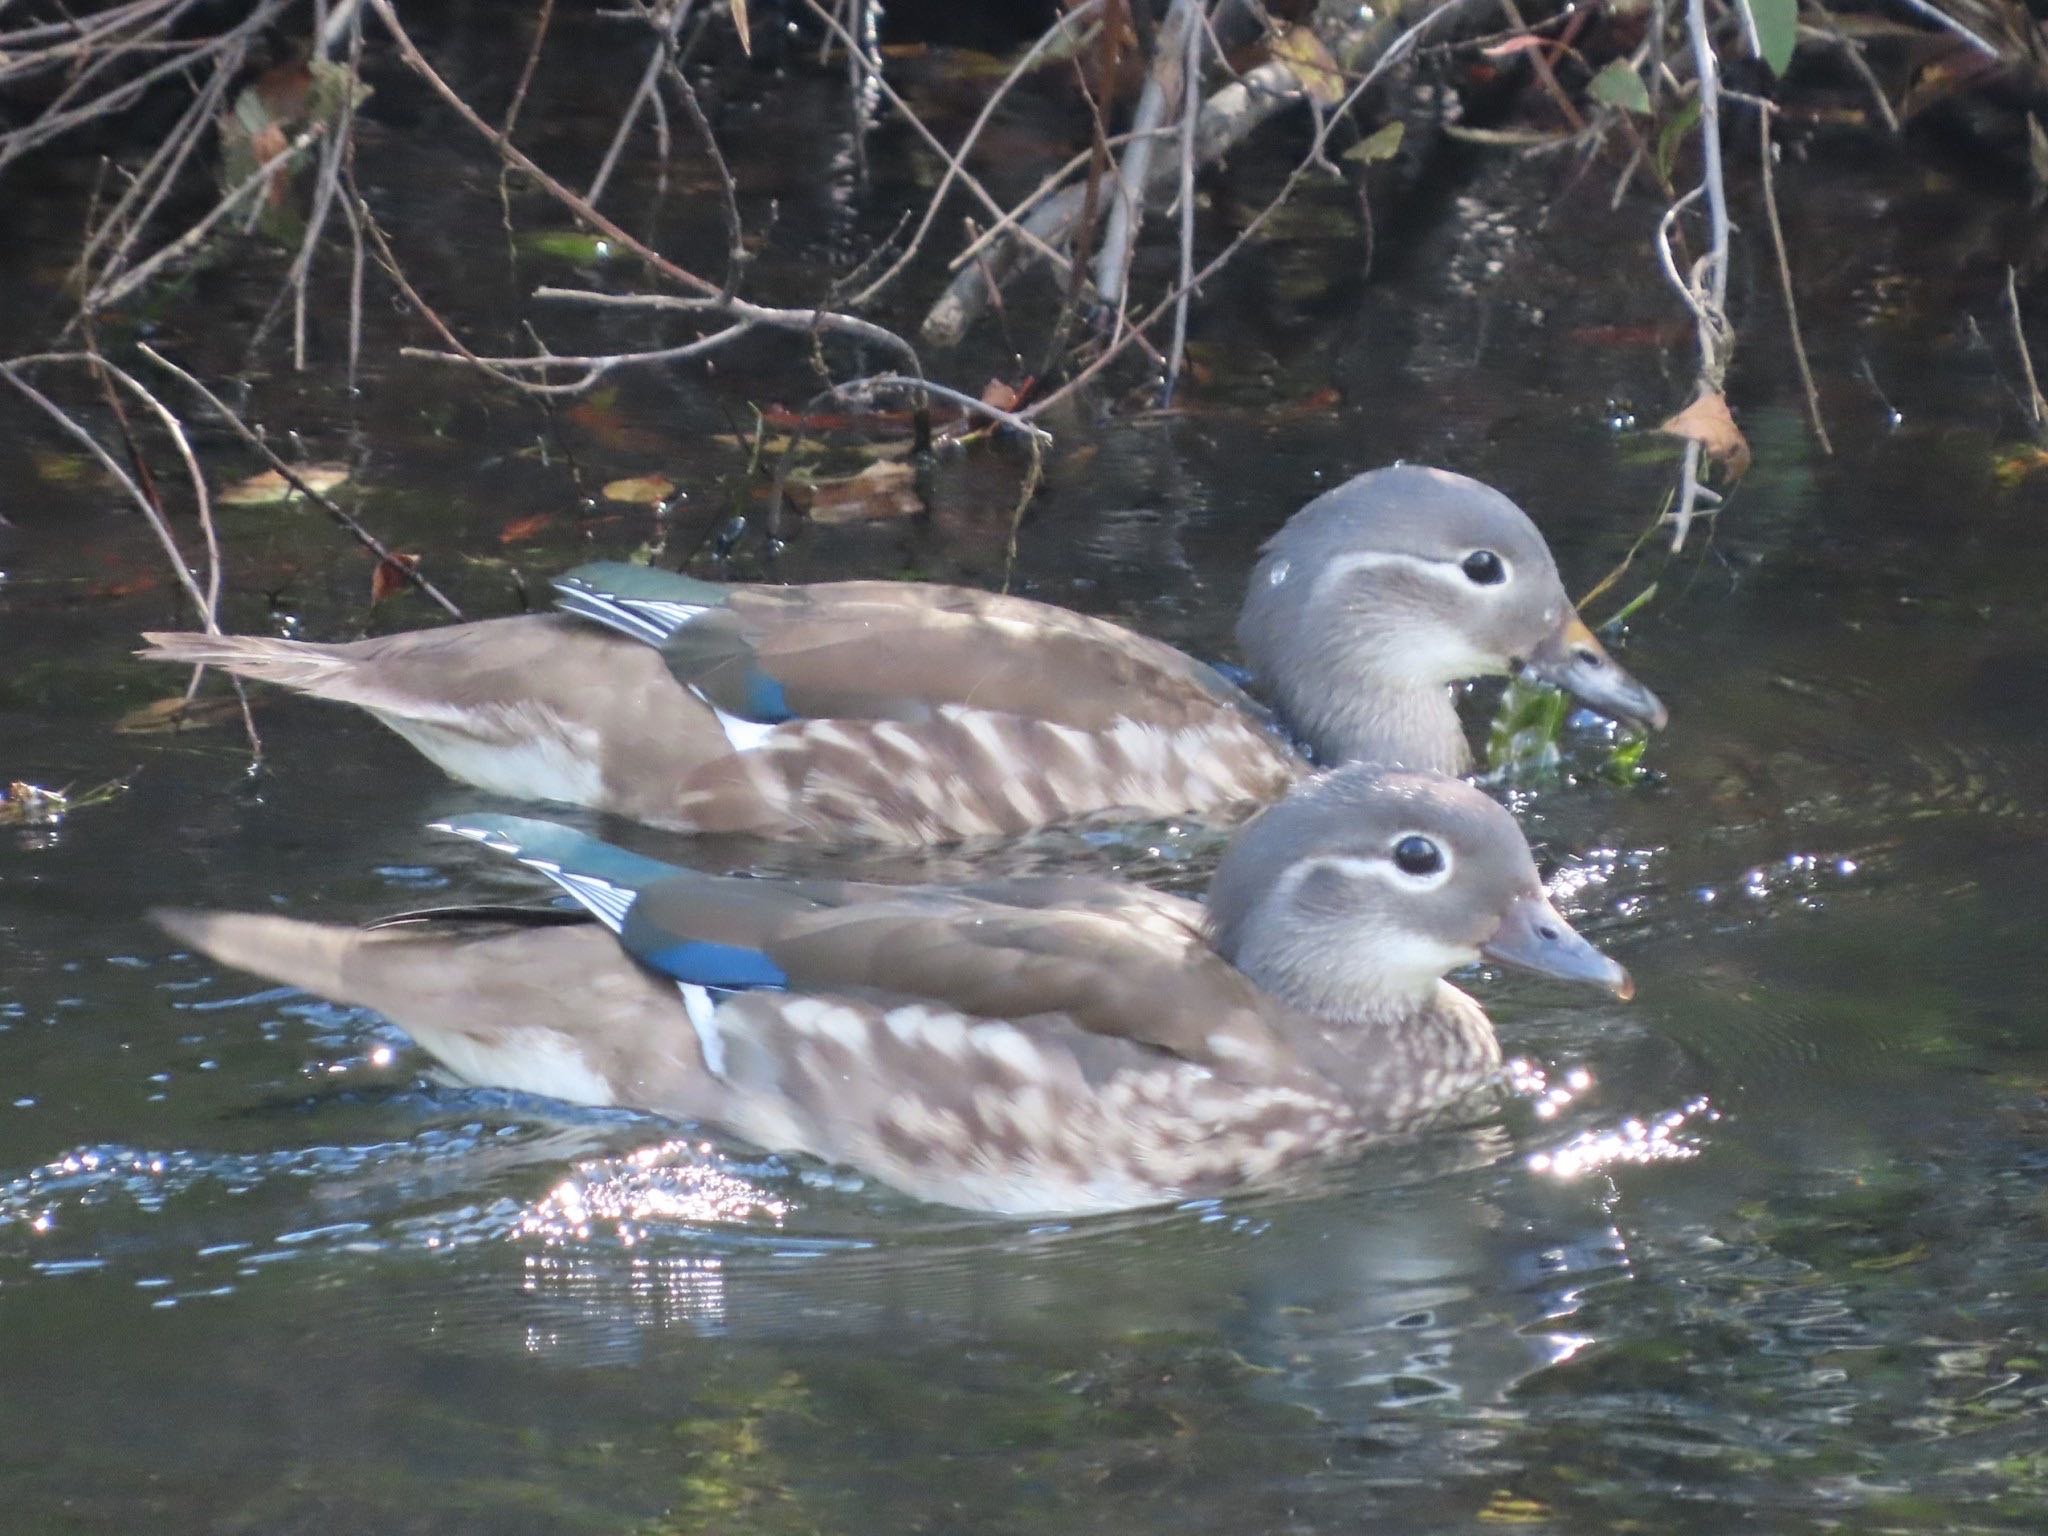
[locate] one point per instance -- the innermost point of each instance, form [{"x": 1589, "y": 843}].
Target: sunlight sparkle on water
[
  {"x": 1635, "y": 1140},
  {"x": 668, "y": 1183}
]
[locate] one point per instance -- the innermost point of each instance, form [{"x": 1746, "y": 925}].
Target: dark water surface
[{"x": 1766, "y": 1250}]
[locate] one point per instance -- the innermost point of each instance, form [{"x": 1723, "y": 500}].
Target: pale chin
[
  {"x": 1438, "y": 657},
  {"x": 1406, "y": 969}
]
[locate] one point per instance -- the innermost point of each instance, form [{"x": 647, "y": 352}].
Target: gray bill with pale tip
[
  {"x": 1574, "y": 659},
  {"x": 1535, "y": 937}
]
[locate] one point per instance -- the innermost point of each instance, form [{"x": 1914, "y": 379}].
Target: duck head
[
  {"x": 1352, "y": 898},
  {"x": 1379, "y": 594}
]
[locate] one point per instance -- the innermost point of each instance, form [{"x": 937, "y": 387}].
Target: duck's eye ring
[
  {"x": 1483, "y": 568},
  {"x": 1416, "y": 855}
]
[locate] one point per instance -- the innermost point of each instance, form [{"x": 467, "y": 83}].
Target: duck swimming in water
[
  {"x": 1048, "y": 1045},
  {"x": 906, "y": 713}
]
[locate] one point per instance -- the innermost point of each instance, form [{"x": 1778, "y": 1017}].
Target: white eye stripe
[
  {"x": 1353, "y": 868},
  {"x": 1450, "y": 571}
]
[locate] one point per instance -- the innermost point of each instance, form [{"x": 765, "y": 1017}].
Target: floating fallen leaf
[
  {"x": 1303, "y": 52},
  {"x": 1912, "y": 1255},
  {"x": 1315, "y": 403},
  {"x": 884, "y": 489},
  {"x": 1383, "y": 143},
  {"x": 520, "y": 529},
  {"x": 270, "y": 488},
  {"x": 739, "y": 25},
  {"x": 1707, "y": 422},
  {"x": 178, "y": 713},
  {"x": 2017, "y": 464},
  {"x": 1505, "y": 1508},
  {"x": 392, "y": 575},
  {"x": 598, "y": 414},
  {"x": 579, "y": 246},
  {"x": 60, "y": 468},
  {"x": 640, "y": 490}
]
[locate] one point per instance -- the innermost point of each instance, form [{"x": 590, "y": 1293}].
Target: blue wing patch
[
  {"x": 766, "y": 702},
  {"x": 703, "y": 963}
]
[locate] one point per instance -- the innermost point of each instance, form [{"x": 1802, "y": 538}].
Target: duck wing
[
  {"x": 1109, "y": 961},
  {"x": 880, "y": 650}
]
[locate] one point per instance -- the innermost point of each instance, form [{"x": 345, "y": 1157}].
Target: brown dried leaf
[
  {"x": 1006, "y": 397},
  {"x": 178, "y": 713},
  {"x": 885, "y": 489},
  {"x": 392, "y": 575},
  {"x": 1707, "y": 422},
  {"x": 520, "y": 529},
  {"x": 739, "y": 25},
  {"x": 272, "y": 489},
  {"x": 640, "y": 490}
]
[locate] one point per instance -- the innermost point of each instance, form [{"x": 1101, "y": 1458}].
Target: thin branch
[
  {"x": 1057, "y": 32},
  {"x": 1820, "y": 430},
  {"x": 1942, "y": 19},
  {"x": 1710, "y": 283},
  {"x": 1157, "y": 105},
  {"x": 2036, "y": 406},
  {"x": 416, "y": 61},
  {"x": 291, "y": 477},
  {"x": 1190, "y": 114},
  {"x": 1010, "y": 419}
]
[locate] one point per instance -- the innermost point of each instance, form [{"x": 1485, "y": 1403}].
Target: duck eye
[
  {"x": 1484, "y": 568},
  {"x": 1416, "y": 855}
]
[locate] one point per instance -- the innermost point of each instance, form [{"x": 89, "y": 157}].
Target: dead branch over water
[{"x": 1203, "y": 77}]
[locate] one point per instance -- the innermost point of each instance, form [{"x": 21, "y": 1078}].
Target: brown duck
[
  {"x": 1048, "y": 1045},
  {"x": 895, "y": 712}
]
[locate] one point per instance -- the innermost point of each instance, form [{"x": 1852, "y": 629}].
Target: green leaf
[
  {"x": 565, "y": 245},
  {"x": 1383, "y": 143},
  {"x": 1521, "y": 744},
  {"x": 1777, "y": 30},
  {"x": 1618, "y": 85},
  {"x": 1675, "y": 128},
  {"x": 1624, "y": 764}
]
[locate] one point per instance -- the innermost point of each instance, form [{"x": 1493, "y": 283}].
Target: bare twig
[
  {"x": 855, "y": 388},
  {"x": 1057, "y": 32},
  {"x": 152, "y": 514},
  {"x": 1709, "y": 286},
  {"x": 1763, "y": 129},
  {"x": 1852, "y": 52},
  {"x": 416, "y": 61},
  {"x": 2036, "y": 406},
  {"x": 1942, "y": 19},
  {"x": 1404, "y": 43},
  {"x": 1190, "y": 114},
  {"x": 291, "y": 477},
  {"x": 110, "y": 292},
  {"x": 1157, "y": 105}
]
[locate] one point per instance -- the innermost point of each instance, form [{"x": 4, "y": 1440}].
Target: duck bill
[
  {"x": 1535, "y": 937},
  {"x": 1574, "y": 659}
]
